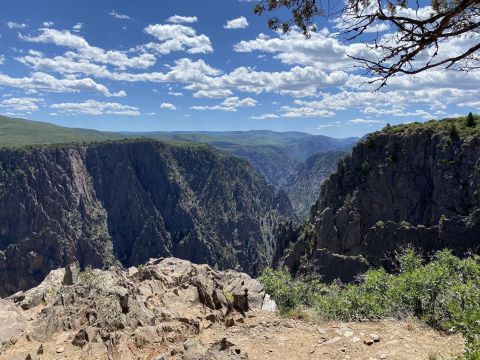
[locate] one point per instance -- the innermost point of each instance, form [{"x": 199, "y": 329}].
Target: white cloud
[
  {"x": 77, "y": 27},
  {"x": 229, "y": 104},
  {"x": 92, "y": 107},
  {"x": 42, "y": 81},
  {"x": 177, "y": 19},
  {"x": 264, "y": 116},
  {"x": 238, "y": 23},
  {"x": 92, "y": 53},
  {"x": 175, "y": 37},
  {"x": 21, "y": 104},
  {"x": 172, "y": 93},
  {"x": 322, "y": 49},
  {"x": 48, "y": 23},
  {"x": 168, "y": 106},
  {"x": 326, "y": 126},
  {"x": 119, "y": 16},
  {"x": 366, "y": 121},
  {"x": 13, "y": 25}
]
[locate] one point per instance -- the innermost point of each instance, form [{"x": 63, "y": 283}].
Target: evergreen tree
[{"x": 470, "y": 120}]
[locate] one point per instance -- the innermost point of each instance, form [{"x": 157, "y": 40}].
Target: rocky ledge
[{"x": 154, "y": 311}]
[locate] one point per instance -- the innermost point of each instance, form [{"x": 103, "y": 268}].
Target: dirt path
[{"x": 266, "y": 336}]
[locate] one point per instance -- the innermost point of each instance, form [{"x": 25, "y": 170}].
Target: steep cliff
[
  {"x": 414, "y": 184},
  {"x": 304, "y": 185},
  {"x": 128, "y": 201}
]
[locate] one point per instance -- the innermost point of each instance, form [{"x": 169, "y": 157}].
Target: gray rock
[
  {"x": 12, "y": 324},
  {"x": 72, "y": 272}
]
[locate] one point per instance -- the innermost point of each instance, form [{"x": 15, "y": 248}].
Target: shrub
[
  {"x": 365, "y": 167},
  {"x": 89, "y": 278},
  {"x": 453, "y": 131},
  {"x": 444, "y": 293},
  {"x": 371, "y": 141}
]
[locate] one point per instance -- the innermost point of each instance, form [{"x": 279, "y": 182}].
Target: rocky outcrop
[
  {"x": 157, "y": 309},
  {"x": 418, "y": 187},
  {"x": 128, "y": 201}
]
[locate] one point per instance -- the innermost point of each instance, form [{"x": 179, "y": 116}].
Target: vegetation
[
  {"x": 461, "y": 126},
  {"x": 90, "y": 278},
  {"x": 470, "y": 120},
  {"x": 365, "y": 167},
  {"x": 20, "y": 133},
  {"x": 444, "y": 293}
]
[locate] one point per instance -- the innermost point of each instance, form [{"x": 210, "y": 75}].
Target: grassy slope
[{"x": 19, "y": 132}]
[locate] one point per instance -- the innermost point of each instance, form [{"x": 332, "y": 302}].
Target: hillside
[
  {"x": 20, "y": 132},
  {"x": 128, "y": 201},
  {"x": 412, "y": 185},
  {"x": 280, "y": 156}
]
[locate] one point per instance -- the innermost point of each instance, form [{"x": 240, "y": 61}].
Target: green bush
[
  {"x": 365, "y": 167},
  {"x": 89, "y": 278},
  {"x": 444, "y": 293},
  {"x": 454, "y": 134}
]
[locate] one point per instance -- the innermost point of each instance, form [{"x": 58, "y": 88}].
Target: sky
[{"x": 211, "y": 65}]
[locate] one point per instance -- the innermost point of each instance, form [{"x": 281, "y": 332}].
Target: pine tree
[{"x": 470, "y": 120}]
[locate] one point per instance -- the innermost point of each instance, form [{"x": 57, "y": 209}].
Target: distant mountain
[
  {"x": 128, "y": 201},
  {"x": 20, "y": 132},
  {"x": 280, "y": 156}
]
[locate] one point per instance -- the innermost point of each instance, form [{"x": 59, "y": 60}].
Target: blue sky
[{"x": 201, "y": 65}]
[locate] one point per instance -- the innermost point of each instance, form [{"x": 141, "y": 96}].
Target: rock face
[
  {"x": 156, "y": 309},
  {"x": 128, "y": 201},
  {"x": 303, "y": 187},
  {"x": 418, "y": 188}
]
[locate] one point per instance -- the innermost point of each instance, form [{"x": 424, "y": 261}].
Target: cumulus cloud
[
  {"x": 21, "y": 104},
  {"x": 177, "y": 19},
  {"x": 42, "y": 81},
  {"x": 84, "y": 51},
  {"x": 322, "y": 49},
  {"x": 175, "y": 37},
  {"x": 168, "y": 106},
  {"x": 238, "y": 23},
  {"x": 229, "y": 104},
  {"x": 93, "y": 107}
]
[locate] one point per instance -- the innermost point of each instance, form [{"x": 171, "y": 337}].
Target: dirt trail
[{"x": 267, "y": 336}]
